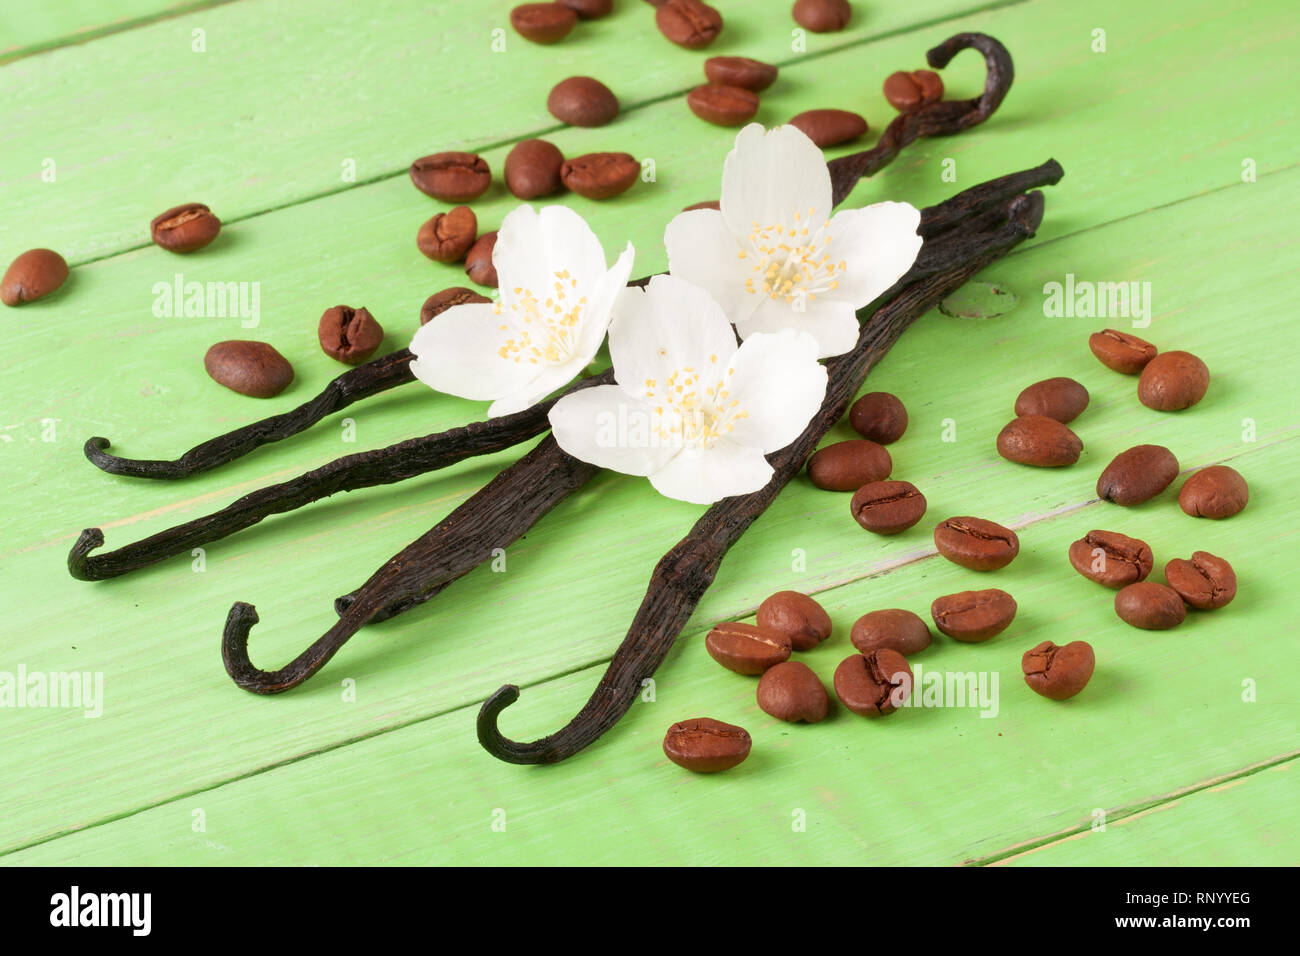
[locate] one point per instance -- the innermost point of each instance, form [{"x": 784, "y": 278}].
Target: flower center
[
  {"x": 789, "y": 263},
  {"x": 538, "y": 330},
  {"x": 688, "y": 412}
]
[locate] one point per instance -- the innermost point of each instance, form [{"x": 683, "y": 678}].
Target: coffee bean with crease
[
  {"x": 910, "y": 90},
  {"x": 706, "y": 745},
  {"x": 829, "y": 127},
  {"x": 1215, "y": 492},
  {"x": 448, "y": 235},
  {"x": 1120, "y": 351},
  {"x": 600, "y": 175},
  {"x": 746, "y": 649},
  {"x": 1061, "y": 398},
  {"x": 349, "y": 335},
  {"x": 1058, "y": 673},
  {"x": 796, "y": 617},
  {"x": 1111, "y": 559},
  {"x": 976, "y": 543},
  {"x": 793, "y": 693},
  {"x": 1137, "y": 475},
  {"x": 888, "y": 507},
  {"x": 452, "y": 177},
  {"x": 1039, "y": 441},
  {"x": 723, "y": 105},
  {"x": 478, "y": 261},
  {"x": 740, "y": 71},
  {"x": 848, "y": 465},
  {"x": 893, "y": 627},
  {"x": 973, "y": 616},
  {"x": 1206, "y": 582},
  {"x": 874, "y": 684},
  {"x": 186, "y": 228},
  {"x": 440, "y": 302},
  {"x": 688, "y": 23},
  {"x": 1150, "y": 606}
]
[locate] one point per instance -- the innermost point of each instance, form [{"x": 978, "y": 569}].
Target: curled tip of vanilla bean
[
  {"x": 234, "y": 652},
  {"x": 78, "y": 558}
]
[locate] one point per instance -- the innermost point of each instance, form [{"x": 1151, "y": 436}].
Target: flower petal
[
  {"x": 605, "y": 427},
  {"x": 780, "y": 385},
  {"x": 833, "y": 323},
  {"x": 705, "y": 475},
  {"x": 669, "y": 326},
  {"x": 457, "y": 353},
  {"x": 771, "y": 176},
  {"x": 599, "y": 310},
  {"x": 532, "y": 246},
  {"x": 877, "y": 244},
  {"x": 702, "y": 250}
]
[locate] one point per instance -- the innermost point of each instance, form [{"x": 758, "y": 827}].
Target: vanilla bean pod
[
  {"x": 501, "y": 512},
  {"x": 937, "y": 119},
  {"x": 686, "y": 571},
  {"x": 382, "y": 466},
  {"x": 377, "y": 375}
]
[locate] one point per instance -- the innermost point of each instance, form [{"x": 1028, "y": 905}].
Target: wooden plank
[
  {"x": 1242, "y": 821},
  {"x": 32, "y": 26},
  {"x": 293, "y": 99},
  {"x": 156, "y": 743}
]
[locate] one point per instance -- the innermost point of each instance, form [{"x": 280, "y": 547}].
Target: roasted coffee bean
[
  {"x": 1061, "y": 398},
  {"x": 1150, "y": 606},
  {"x": 1058, "y": 672},
  {"x": 689, "y": 23},
  {"x": 440, "y": 302},
  {"x": 746, "y": 649},
  {"x": 1206, "y": 582},
  {"x": 976, "y": 543},
  {"x": 448, "y": 235},
  {"x": 740, "y": 71},
  {"x": 249, "y": 368},
  {"x": 911, "y": 90},
  {"x": 796, "y": 617},
  {"x": 1173, "y": 381},
  {"x": 533, "y": 169},
  {"x": 1039, "y": 441},
  {"x": 723, "y": 105},
  {"x": 848, "y": 465},
  {"x": 1214, "y": 492},
  {"x": 451, "y": 177},
  {"x": 1111, "y": 558},
  {"x": 830, "y": 127},
  {"x": 349, "y": 335},
  {"x": 708, "y": 204},
  {"x": 35, "y": 273},
  {"x": 600, "y": 175},
  {"x": 894, "y": 628},
  {"x": 589, "y": 9},
  {"x": 1137, "y": 475},
  {"x": 792, "y": 692},
  {"x": 873, "y": 684},
  {"x": 973, "y": 616},
  {"x": 582, "y": 101},
  {"x": 888, "y": 507},
  {"x": 543, "y": 22},
  {"x": 478, "y": 261},
  {"x": 822, "y": 16},
  {"x": 1120, "y": 351},
  {"x": 185, "y": 228},
  {"x": 879, "y": 416},
  {"x": 706, "y": 745}
]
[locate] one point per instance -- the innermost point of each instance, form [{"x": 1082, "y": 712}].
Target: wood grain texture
[{"x": 1153, "y": 193}]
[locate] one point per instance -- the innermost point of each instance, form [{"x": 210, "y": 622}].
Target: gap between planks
[
  {"x": 1026, "y": 846},
  {"x": 554, "y": 127},
  {"x": 1130, "y": 812}
]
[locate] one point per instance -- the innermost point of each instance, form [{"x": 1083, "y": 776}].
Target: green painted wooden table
[{"x": 296, "y": 121}]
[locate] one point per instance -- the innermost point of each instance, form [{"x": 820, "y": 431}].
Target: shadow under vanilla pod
[{"x": 961, "y": 235}]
